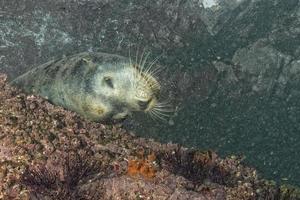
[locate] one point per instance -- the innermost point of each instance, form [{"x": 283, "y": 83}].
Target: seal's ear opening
[{"x": 108, "y": 81}]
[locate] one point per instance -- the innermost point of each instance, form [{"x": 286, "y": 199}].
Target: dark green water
[{"x": 264, "y": 130}]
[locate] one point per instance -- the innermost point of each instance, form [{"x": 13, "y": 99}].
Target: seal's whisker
[
  {"x": 153, "y": 84},
  {"x": 157, "y": 116},
  {"x": 136, "y": 56},
  {"x": 129, "y": 54},
  {"x": 164, "y": 112},
  {"x": 132, "y": 76},
  {"x": 136, "y": 73},
  {"x": 160, "y": 116},
  {"x": 163, "y": 109},
  {"x": 155, "y": 71},
  {"x": 148, "y": 69},
  {"x": 130, "y": 60},
  {"x": 167, "y": 111},
  {"x": 134, "y": 65},
  {"x": 166, "y": 103},
  {"x": 163, "y": 115},
  {"x": 163, "y": 104},
  {"x": 140, "y": 61},
  {"x": 141, "y": 58},
  {"x": 142, "y": 65},
  {"x": 144, "y": 61},
  {"x": 136, "y": 78}
]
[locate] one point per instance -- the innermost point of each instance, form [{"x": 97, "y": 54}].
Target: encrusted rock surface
[{"x": 47, "y": 152}]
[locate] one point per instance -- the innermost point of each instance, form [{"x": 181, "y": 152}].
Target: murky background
[{"x": 232, "y": 67}]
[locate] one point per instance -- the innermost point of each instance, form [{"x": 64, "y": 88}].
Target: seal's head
[{"x": 124, "y": 88}]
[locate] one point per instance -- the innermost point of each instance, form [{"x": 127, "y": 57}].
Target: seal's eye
[{"x": 108, "y": 81}]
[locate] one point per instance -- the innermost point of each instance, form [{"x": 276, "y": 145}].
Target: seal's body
[{"x": 98, "y": 86}]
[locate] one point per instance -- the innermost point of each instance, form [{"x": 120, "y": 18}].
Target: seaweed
[{"x": 44, "y": 181}]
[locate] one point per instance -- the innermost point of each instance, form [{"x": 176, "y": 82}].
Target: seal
[{"x": 98, "y": 86}]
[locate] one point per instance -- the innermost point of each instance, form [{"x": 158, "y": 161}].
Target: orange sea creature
[{"x": 143, "y": 166}]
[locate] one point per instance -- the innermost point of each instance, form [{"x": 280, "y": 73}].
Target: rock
[
  {"x": 217, "y": 12},
  {"x": 34, "y": 32},
  {"x": 263, "y": 66},
  {"x": 256, "y": 19}
]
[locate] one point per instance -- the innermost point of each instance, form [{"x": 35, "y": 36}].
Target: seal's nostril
[{"x": 144, "y": 104}]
